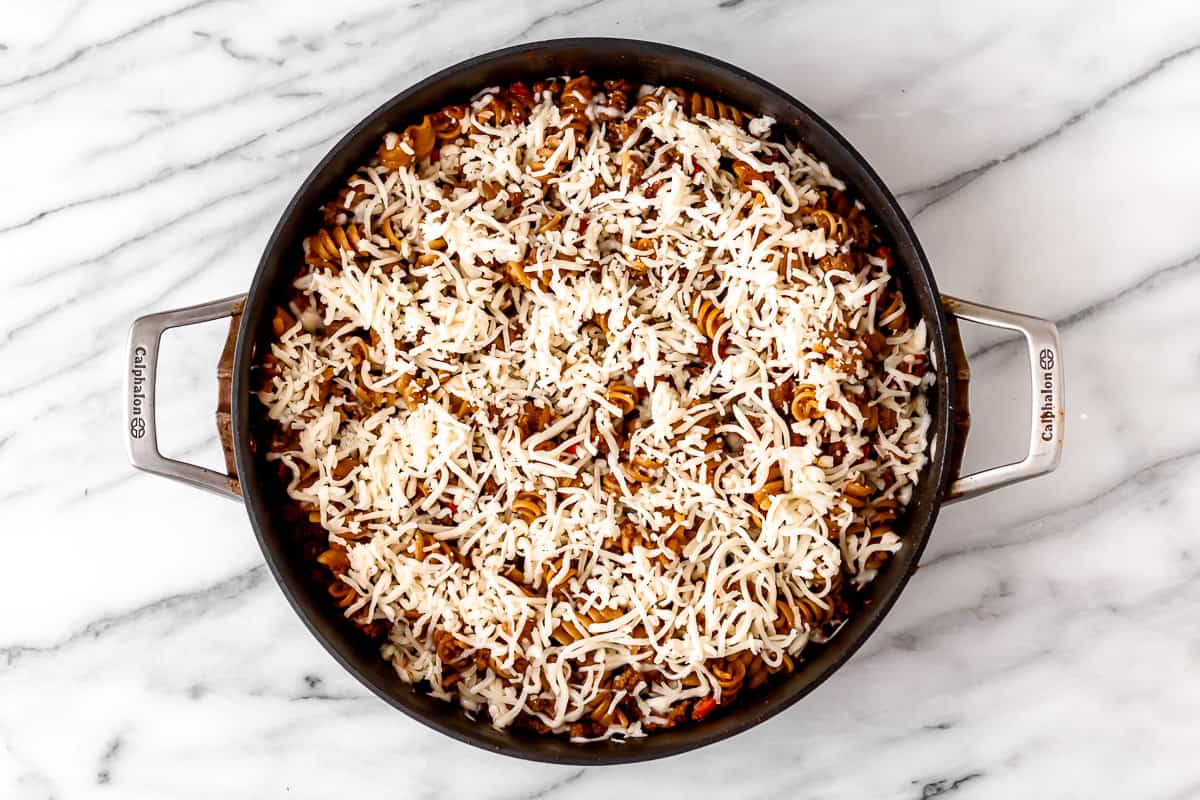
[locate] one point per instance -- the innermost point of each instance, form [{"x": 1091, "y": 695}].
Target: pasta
[
  {"x": 594, "y": 405},
  {"x": 709, "y": 318}
]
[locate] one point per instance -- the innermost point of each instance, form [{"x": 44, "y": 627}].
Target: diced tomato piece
[
  {"x": 884, "y": 252},
  {"x": 703, "y": 708}
]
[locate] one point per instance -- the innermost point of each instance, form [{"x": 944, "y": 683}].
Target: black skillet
[{"x": 645, "y": 62}]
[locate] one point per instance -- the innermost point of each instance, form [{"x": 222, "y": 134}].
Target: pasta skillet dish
[{"x": 594, "y": 404}]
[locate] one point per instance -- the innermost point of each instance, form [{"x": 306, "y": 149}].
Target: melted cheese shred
[{"x": 454, "y": 355}]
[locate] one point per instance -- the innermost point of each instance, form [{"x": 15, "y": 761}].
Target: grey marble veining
[{"x": 1048, "y": 647}]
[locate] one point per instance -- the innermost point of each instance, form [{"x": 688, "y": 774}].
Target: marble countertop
[{"x": 1047, "y": 150}]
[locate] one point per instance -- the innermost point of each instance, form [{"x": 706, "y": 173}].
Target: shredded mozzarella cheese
[{"x": 404, "y": 392}]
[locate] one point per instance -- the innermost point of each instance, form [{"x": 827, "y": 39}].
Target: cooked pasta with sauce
[{"x": 594, "y": 405}]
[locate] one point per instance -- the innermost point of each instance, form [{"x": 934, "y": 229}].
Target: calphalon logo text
[
  {"x": 1046, "y": 391},
  {"x": 137, "y": 394}
]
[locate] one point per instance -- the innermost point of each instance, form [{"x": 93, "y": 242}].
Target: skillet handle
[
  {"x": 1047, "y": 412},
  {"x": 141, "y": 432}
]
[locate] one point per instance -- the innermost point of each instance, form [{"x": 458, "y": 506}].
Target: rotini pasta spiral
[
  {"x": 325, "y": 247},
  {"x": 856, "y": 494},
  {"x": 816, "y": 612},
  {"x": 335, "y": 559},
  {"x": 574, "y": 102},
  {"x": 708, "y": 316},
  {"x": 449, "y": 123},
  {"x": 884, "y": 511},
  {"x": 528, "y": 506},
  {"x": 700, "y": 104},
  {"x": 628, "y": 537},
  {"x": 516, "y": 274},
  {"x": 510, "y": 105},
  {"x": 645, "y": 106},
  {"x": 568, "y": 632},
  {"x": 804, "y": 403},
  {"x": 860, "y": 227},
  {"x": 834, "y": 225},
  {"x": 877, "y": 537},
  {"x": 641, "y": 469},
  {"x": 557, "y": 572},
  {"x": 746, "y": 175},
  {"x": 775, "y": 485},
  {"x": 415, "y": 143},
  {"x": 343, "y": 594},
  {"x": 424, "y": 545},
  {"x": 632, "y": 168},
  {"x": 729, "y": 675},
  {"x": 617, "y": 94},
  {"x": 411, "y": 391},
  {"x": 623, "y": 396},
  {"x": 757, "y": 673}
]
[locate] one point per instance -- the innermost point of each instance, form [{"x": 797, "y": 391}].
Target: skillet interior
[{"x": 639, "y": 62}]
